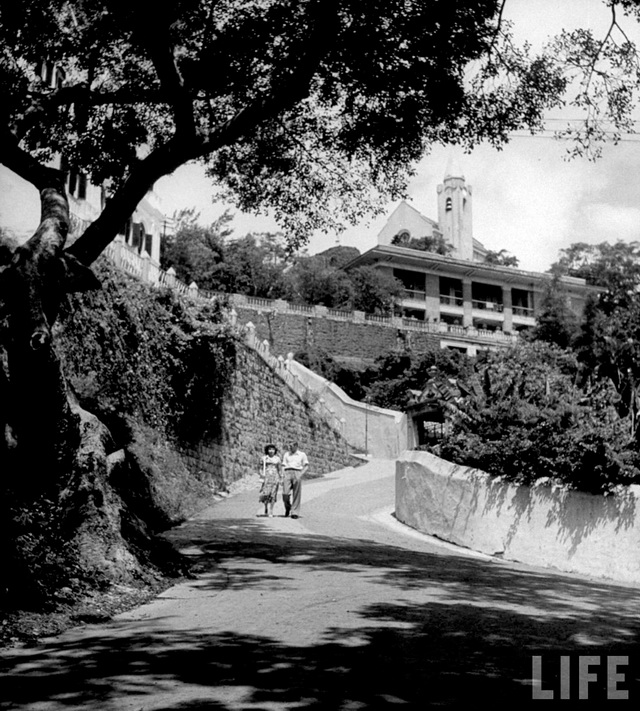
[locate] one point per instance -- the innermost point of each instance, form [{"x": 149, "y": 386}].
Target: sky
[{"x": 527, "y": 198}]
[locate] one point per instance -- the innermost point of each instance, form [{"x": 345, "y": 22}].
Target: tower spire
[
  {"x": 454, "y": 210},
  {"x": 453, "y": 169}
]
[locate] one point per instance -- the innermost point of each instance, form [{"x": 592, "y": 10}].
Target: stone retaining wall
[
  {"x": 291, "y": 333},
  {"x": 568, "y": 530},
  {"x": 260, "y": 407}
]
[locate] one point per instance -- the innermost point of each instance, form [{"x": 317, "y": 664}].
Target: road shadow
[
  {"x": 475, "y": 642},
  {"x": 606, "y": 606},
  {"x": 442, "y": 656}
]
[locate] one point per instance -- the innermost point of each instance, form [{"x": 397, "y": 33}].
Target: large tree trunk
[
  {"x": 40, "y": 435},
  {"x": 38, "y": 427}
]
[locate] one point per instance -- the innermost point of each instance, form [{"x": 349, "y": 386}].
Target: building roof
[{"x": 404, "y": 257}]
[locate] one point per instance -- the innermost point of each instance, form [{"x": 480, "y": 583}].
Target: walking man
[{"x": 294, "y": 465}]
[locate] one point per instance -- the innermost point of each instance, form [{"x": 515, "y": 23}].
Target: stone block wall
[
  {"x": 365, "y": 340},
  {"x": 259, "y": 408}
]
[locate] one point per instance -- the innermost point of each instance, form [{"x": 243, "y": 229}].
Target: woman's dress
[{"x": 271, "y": 481}]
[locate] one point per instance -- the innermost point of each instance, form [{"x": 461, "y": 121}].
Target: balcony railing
[
  {"x": 415, "y": 294},
  {"x": 487, "y": 306},
  {"x": 523, "y": 311},
  {"x": 448, "y": 300},
  {"x": 377, "y": 319}
]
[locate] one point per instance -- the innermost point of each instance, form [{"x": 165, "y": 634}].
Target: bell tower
[{"x": 454, "y": 211}]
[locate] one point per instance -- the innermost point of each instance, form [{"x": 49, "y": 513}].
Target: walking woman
[{"x": 271, "y": 476}]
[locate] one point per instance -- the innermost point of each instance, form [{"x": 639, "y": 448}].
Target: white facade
[
  {"x": 459, "y": 292},
  {"x": 20, "y": 212}
]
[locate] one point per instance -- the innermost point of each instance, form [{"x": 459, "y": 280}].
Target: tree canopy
[{"x": 312, "y": 108}]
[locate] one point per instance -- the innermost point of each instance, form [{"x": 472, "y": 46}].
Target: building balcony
[
  {"x": 487, "y": 306},
  {"x": 523, "y": 311},
  {"x": 447, "y": 300},
  {"x": 414, "y": 295}
]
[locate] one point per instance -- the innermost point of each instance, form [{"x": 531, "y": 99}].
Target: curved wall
[{"x": 545, "y": 526}]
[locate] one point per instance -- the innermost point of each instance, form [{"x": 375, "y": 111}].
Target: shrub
[{"x": 521, "y": 416}]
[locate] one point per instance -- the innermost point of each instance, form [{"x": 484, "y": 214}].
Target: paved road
[{"x": 341, "y": 609}]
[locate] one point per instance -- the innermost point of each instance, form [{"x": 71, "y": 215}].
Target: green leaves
[
  {"x": 522, "y": 417},
  {"x": 316, "y": 110}
]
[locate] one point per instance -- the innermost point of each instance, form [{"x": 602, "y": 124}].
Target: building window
[
  {"x": 77, "y": 185},
  {"x": 414, "y": 283},
  {"x": 148, "y": 243},
  {"x": 521, "y": 302},
  {"x": 82, "y": 186},
  {"x": 487, "y": 297},
  {"x": 448, "y": 205},
  {"x": 126, "y": 231},
  {"x": 76, "y": 180},
  {"x": 403, "y": 237},
  {"x": 138, "y": 237},
  {"x": 451, "y": 291}
]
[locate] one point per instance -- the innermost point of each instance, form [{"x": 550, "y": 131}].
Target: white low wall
[
  {"x": 374, "y": 430},
  {"x": 544, "y": 526}
]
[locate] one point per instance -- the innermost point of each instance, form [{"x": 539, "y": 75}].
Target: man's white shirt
[{"x": 295, "y": 460}]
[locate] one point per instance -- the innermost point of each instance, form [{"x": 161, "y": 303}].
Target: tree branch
[
  {"x": 162, "y": 161},
  {"x": 180, "y": 149},
  {"x": 172, "y": 82},
  {"x": 50, "y": 183}
]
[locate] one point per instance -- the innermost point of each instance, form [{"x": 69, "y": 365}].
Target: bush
[
  {"x": 522, "y": 417},
  {"x": 131, "y": 350}
]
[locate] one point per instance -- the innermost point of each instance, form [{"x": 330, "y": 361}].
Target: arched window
[
  {"x": 448, "y": 206},
  {"x": 401, "y": 238}
]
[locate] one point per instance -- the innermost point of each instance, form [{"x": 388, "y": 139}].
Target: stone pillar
[
  {"x": 146, "y": 258},
  {"x": 170, "y": 278},
  {"x": 467, "y": 318},
  {"x": 432, "y": 302},
  {"x": 507, "y": 304}
]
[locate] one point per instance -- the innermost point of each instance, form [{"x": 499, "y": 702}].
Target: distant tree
[
  {"x": 217, "y": 261},
  {"x": 374, "y": 291},
  {"x": 390, "y": 381},
  {"x": 252, "y": 265},
  {"x": 501, "y": 258},
  {"x": 608, "y": 344},
  {"x": 338, "y": 256},
  {"x": 314, "y": 280},
  {"x": 195, "y": 251},
  {"x": 556, "y": 323},
  {"x": 614, "y": 267}
]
